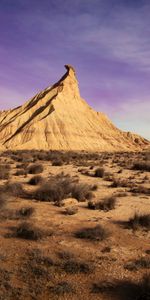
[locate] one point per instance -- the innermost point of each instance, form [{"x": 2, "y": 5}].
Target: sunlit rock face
[{"x": 59, "y": 119}]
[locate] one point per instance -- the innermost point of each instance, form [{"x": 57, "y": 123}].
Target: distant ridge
[{"x": 59, "y": 119}]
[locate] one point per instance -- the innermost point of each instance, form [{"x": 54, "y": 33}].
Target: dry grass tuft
[{"x": 97, "y": 233}]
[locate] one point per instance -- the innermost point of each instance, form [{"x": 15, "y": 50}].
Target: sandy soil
[{"x": 20, "y": 280}]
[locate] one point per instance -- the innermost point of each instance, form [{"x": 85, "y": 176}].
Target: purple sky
[{"x": 107, "y": 41}]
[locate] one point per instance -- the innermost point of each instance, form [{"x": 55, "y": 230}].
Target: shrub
[
  {"x": 74, "y": 267},
  {"x": 140, "y": 190},
  {"x": 106, "y": 205},
  {"x": 142, "y": 263},
  {"x": 15, "y": 189},
  {"x": 35, "y": 169},
  {"x": 81, "y": 191},
  {"x": 57, "y": 162},
  {"x": 49, "y": 192},
  {"x": 3, "y": 200},
  {"x": 72, "y": 210},
  {"x": 94, "y": 187},
  {"x": 139, "y": 221},
  {"x": 141, "y": 165},
  {"x": 120, "y": 183},
  {"x": 25, "y": 212},
  {"x": 35, "y": 180},
  {"x": 99, "y": 172},
  {"x": 4, "y": 172},
  {"x": 66, "y": 255},
  {"x": 36, "y": 257},
  {"x": 20, "y": 172},
  {"x": 97, "y": 233},
  {"x": 28, "y": 232},
  {"x": 62, "y": 288},
  {"x": 61, "y": 187}
]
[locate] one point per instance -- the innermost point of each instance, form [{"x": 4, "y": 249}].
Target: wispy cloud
[{"x": 107, "y": 41}]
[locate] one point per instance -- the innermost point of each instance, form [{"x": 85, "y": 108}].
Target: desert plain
[{"x": 74, "y": 225}]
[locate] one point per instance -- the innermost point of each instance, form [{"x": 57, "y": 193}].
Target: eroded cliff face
[{"x": 58, "y": 118}]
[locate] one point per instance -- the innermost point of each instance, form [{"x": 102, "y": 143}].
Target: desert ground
[{"x": 74, "y": 225}]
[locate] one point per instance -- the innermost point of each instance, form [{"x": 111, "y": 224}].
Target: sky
[{"x": 107, "y": 42}]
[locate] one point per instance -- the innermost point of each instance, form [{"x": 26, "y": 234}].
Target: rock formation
[{"x": 58, "y": 118}]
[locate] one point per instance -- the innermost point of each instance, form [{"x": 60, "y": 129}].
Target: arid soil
[{"x": 94, "y": 245}]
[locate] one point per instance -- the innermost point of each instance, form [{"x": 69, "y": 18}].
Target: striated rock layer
[{"x": 58, "y": 118}]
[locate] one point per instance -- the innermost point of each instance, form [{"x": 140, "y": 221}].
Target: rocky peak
[{"x": 58, "y": 118}]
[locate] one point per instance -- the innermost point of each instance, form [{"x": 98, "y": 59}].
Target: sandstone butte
[{"x": 59, "y": 119}]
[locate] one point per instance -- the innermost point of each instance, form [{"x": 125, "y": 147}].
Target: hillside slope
[{"x": 58, "y": 118}]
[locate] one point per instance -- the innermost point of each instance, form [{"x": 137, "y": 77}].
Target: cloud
[{"x": 123, "y": 36}]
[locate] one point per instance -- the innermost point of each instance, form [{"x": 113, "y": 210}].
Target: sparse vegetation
[
  {"x": 66, "y": 255},
  {"x": 141, "y": 263},
  {"x": 140, "y": 190},
  {"x": 142, "y": 165},
  {"x": 28, "y": 231},
  {"x": 71, "y": 210},
  {"x": 61, "y": 187},
  {"x": 4, "y": 172},
  {"x": 15, "y": 189},
  {"x": 25, "y": 212},
  {"x": 80, "y": 253},
  {"x": 97, "y": 233},
  {"x": 139, "y": 221},
  {"x": 35, "y": 180},
  {"x": 73, "y": 267},
  {"x": 49, "y": 192},
  {"x": 62, "y": 288},
  {"x": 106, "y": 204},
  {"x": 99, "y": 172},
  {"x": 3, "y": 200},
  {"x": 81, "y": 192},
  {"x": 57, "y": 162},
  {"x": 94, "y": 187},
  {"x": 35, "y": 169},
  {"x": 21, "y": 172}
]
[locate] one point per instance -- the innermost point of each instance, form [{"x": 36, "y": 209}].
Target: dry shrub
[
  {"x": 57, "y": 162},
  {"x": 4, "y": 172},
  {"x": 94, "y": 187},
  {"x": 15, "y": 189},
  {"x": 35, "y": 180},
  {"x": 73, "y": 267},
  {"x": 99, "y": 172},
  {"x": 141, "y": 165},
  {"x": 120, "y": 183},
  {"x": 3, "y": 200},
  {"x": 97, "y": 233},
  {"x": 21, "y": 172},
  {"x": 107, "y": 204},
  {"x": 141, "y": 263},
  {"x": 71, "y": 210},
  {"x": 81, "y": 191},
  {"x": 49, "y": 192},
  {"x": 60, "y": 187},
  {"x": 66, "y": 255},
  {"x": 140, "y": 190},
  {"x": 28, "y": 231},
  {"x": 62, "y": 288},
  {"x": 139, "y": 221},
  {"x": 35, "y": 169},
  {"x": 25, "y": 212}
]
